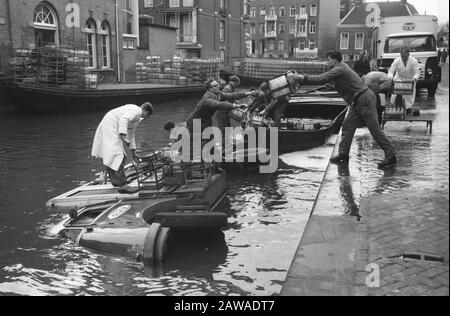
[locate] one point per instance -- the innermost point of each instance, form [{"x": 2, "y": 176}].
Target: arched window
[
  {"x": 105, "y": 36},
  {"x": 91, "y": 40},
  {"x": 45, "y": 22}
]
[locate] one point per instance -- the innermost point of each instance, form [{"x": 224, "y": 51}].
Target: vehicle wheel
[{"x": 432, "y": 90}]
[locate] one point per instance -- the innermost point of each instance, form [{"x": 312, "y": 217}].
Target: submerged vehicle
[
  {"x": 137, "y": 226},
  {"x": 308, "y": 121}
]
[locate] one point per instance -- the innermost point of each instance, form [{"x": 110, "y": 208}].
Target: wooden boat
[
  {"x": 137, "y": 226},
  {"x": 58, "y": 100},
  {"x": 157, "y": 178},
  {"x": 309, "y": 122}
]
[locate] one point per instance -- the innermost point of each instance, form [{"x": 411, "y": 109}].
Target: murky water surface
[{"x": 44, "y": 156}]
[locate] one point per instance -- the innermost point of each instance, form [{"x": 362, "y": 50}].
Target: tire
[{"x": 432, "y": 90}]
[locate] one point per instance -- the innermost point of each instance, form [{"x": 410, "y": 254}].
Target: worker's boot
[
  {"x": 340, "y": 159},
  {"x": 387, "y": 163}
]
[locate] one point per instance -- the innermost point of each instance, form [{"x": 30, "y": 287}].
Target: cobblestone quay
[{"x": 392, "y": 223}]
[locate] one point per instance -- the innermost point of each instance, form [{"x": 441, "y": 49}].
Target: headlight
[{"x": 429, "y": 71}]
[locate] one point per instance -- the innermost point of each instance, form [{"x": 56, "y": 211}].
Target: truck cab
[{"x": 418, "y": 33}]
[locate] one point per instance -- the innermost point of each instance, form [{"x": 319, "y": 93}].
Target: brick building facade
[
  {"x": 109, "y": 30},
  {"x": 289, "y": 28},
  {"x": 205, "y": 28}
]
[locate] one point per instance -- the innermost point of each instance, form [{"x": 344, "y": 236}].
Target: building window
[
  {"x": 105, "y": 36},
  {"x": 282, "y": 28},
  {"x": 313, "y": 9},
  {"x": 359, "y": 43},
  {"x": 312, "y": 45},
  {"x": 222, "y": 4},
  {"x": 188, "y": 3},
  {"x": 262, "y": 28},
  {"x": 291, "y": 28},
  {"x": 273, "y": 11},
  {"x": 262, "y": 11},
  {"x": 302, "y": 26},
  {"x": 312, "y": 27},
  {"x": 271, "y": 45},
  {"x": 174, "y": 3},
  {"x": 282, "y": 12},
  {"x": 128, "y": 43},
  {"x": 253, "y": 12},
  {"x": 303, "y": 9},
  {"x": 222, "y": 55},
  {"x": 292, "y": 11},
  {"x": 280, "y": 45},
  {"x": 148, "y": 3},
  {"x": 245, "y": 9},
  {"x": 45, "y": 26},
  {"x": 222, "y": 31},
  {"x": 344, "y": 40},
  {"x": 253, "y": 29},
  {"x": 91, "y": 43},
  {"x": 302, "y": 44}
]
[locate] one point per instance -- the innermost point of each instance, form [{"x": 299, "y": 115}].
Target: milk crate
[
  {"x": 403, "y": 87},
  {"x": 282, "y": 86},
  {"x": 395, "y": 113}
]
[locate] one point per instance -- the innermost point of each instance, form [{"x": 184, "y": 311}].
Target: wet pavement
[{"x": 336, "y": 244}]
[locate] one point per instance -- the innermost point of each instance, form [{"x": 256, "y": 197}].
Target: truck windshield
[{"x": 414, "y": 43}]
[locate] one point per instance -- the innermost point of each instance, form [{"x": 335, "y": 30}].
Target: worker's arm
[
  {"x": 124, "y": 127},
  {"x": 260, "y": 99},
  {"x": 272, "y": 105},
  {"x": 393, "y": 69},
  {"x": 227, "y": 96},
  {"x": 328, "y": 77},
  {"x": 218, "y": 105},
  {"x": 416, "y": 68}
]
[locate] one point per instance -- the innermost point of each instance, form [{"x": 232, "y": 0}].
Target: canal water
[{"x": 44, "y": 156}]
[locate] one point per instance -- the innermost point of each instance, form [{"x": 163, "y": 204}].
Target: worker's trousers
[{"x": 364, "y": 113}]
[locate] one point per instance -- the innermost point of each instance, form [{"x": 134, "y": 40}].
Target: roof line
[
  {"x": 409, "y": 10},
  {"x": 342, "y": 21}
]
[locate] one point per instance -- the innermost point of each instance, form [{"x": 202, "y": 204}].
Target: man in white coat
[
  {"x": 115, "y": 134},
  {"x": 405, "y": 68}
]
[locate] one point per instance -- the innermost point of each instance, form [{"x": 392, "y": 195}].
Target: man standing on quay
[{"x": 363, "y": 108}]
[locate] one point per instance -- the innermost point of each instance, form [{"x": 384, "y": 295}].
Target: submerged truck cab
[{"x": 418, "y": 33}]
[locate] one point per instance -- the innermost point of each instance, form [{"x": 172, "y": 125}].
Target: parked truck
[{"x": 418, "y": 33}]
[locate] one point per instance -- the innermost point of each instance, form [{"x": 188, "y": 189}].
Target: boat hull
[
  {"x": 332, "y": 109},
  {"x": 58, "y": 100}
]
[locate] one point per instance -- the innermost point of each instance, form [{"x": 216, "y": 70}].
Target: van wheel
[{"x": 432, "y": 90}]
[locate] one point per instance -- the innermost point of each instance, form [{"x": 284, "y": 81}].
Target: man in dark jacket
[
  {"x": 363, "y": 108},
  {"x": 229, "y": 94},
  {"x": 209, "y": 104}
]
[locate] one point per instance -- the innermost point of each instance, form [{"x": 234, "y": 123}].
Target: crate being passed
[
  {"x": 404, "y": 87},
  {"x": 283, "y": 86}
]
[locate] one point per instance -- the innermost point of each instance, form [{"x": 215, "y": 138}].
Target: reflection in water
[
  {"x": 44, "y": 156},
  {"x": 346, "y": 191}
]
